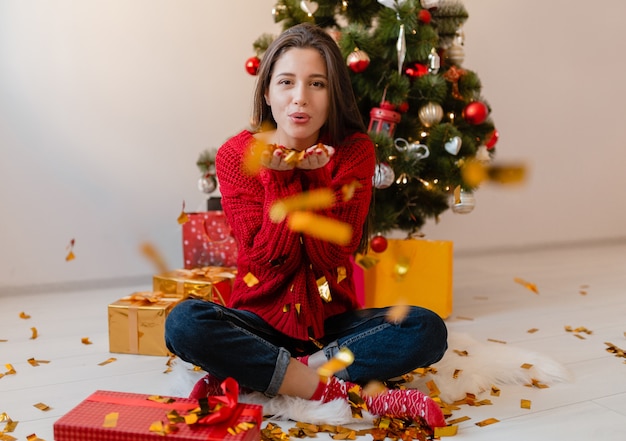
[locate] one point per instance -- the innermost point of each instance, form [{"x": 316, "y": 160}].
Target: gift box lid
[{"x": 136, "y": 413}]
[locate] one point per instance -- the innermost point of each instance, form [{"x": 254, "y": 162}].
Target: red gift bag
[{"x": 207, "y": 241}]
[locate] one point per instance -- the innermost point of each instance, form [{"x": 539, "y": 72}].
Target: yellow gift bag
[{"x": 410, "y": 272}]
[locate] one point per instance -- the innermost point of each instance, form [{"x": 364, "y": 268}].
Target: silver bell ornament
[
  {"x": 462, "y": 202},
  {"x": 383, "y": 175},
  {"x": 207, "y": 183}
]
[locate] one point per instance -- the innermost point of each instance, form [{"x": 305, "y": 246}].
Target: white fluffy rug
[{"x": 468, "y": 366}]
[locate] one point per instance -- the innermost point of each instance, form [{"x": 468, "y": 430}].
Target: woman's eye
[
  {"x": 285, "y": 82},
  {"x": 319, "y": 84}
]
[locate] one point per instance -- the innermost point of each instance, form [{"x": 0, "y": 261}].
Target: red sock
[
  {"x": 406, "y": 403},
  {"x": 304, "y": 359},
  {"x": 332, "y": 390}
]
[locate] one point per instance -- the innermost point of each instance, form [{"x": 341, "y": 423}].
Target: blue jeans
[{"x": 233, "y": 343}]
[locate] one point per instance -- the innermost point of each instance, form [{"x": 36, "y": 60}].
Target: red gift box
[
  {"x": 207, "y": 240},
  {"x": 136, "y": 414}
]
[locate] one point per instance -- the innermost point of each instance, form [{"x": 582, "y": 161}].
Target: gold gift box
[
  {"x": 212, "y": 283},
  {"x": 137, "y": 323}
]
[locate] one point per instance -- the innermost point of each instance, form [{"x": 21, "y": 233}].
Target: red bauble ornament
[
  {"x": 416, "y": 70},
  {"x": 378, "y": 244},
  {"x": 403, "y": 107},
  {"x": 358, "y": 61},
  {"x": 475, "y": 113},
  {"x": 492, "y": 139},
  {"x": 252, "y": 65},
  {"x": 424, "y": 16}
]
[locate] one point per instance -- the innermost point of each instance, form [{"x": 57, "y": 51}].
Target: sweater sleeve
[
  {"x": 354, "y": 160},
  {"x": 246, "y": 200}
]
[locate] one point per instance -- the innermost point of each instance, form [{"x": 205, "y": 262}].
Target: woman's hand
[
  {"x": 276, "y": 160},
  {"x": 315, "y": 157}
]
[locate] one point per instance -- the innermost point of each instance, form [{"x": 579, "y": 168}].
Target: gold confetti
[
  {"x": 397, "y": 313},
  {"x": 24, "y": 316},
  {"x": 105, "y": 362},
  {"x": 449, "y": 430},
  {"x": 160, "y": 399},
  {"x": 42, "y": 406},
  {"x": 250, "y": 280},
  {"x": 157, "y": 427},
  {"x": 9, "y": 425},
  {"x": 464, "y": 318},
  {"x": 537, "y": 384},
  {"x": 525, "y": 404},
  {"x": 320, "y": 227},
  {"x": 526, "y": 366},
  {"x": 183, "y": 217},
  {"x": 529, "y": 286},
  {"x": 456, "y": 373},
  {"x": 487, "y": 422},
  {"x": 341, "y": 273},
  {"x": 2, "y": 340},
  {"x": 458, "y": 420},
  {"x": 70, "y": 248},
  {"x": 150, "y": 252},
  {"x": 613, "y": 349},
  {"x": 496, "y": 341},
  {"x": 33, "y": 437},
  {"x": 495, "y": 391},
  {"x": 532, "y": 330},
  {"x": 34, "y": 362},
  {"x": 5, "y": 437},
  {"x": 475, "y": 172},
  {"x": 85, "y": 341},
  {"x": 348, "y": 189},
  {"x": 341, "y": 360},
  {"x": 432, "y": 387},
  {"x": 10, "y": 369},
  {"x": 34, "y": 333},
  {"x": 317, "y": 199},
  {"x": 253, "y": 157},
  {"x": 461, "y": 353}
]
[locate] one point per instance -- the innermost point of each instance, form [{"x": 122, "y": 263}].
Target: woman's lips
[{"x": 299, "y": 118}]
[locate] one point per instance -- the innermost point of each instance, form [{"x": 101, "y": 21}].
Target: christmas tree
[{"x": 426, "y": 113}]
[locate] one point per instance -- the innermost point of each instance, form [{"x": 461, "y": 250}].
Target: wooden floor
[{"x": 580, "y": 287}]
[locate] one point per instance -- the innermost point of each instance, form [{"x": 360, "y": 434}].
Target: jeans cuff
[{"x": 282, "y": 361}]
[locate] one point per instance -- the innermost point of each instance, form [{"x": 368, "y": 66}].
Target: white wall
[{"x": 105, "y": 106}]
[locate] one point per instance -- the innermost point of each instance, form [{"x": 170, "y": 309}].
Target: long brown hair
[{"x": 344, "y": 117}]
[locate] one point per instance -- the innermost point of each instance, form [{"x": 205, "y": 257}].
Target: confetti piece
[
  {"x": 320, "y": 227},
  {"x": 532, "y": 330},
  {"x": 348, "y": 190},
  {"x": 397, "y": 313},
  {"x": 253, "y": 157},
  {"x": 24, "y": 316},
  {"x": 85, "y": 341},
  {"x": 476, "y": 172},
  {"x": 458, "y": 420},
  {"x": 33, "y": 437},
  {"x": 525, "y": 404},
  {"x": 250, "y": 280},
  {"x": 183, "y": 217},
  {"x": 34, "y": 362},
  {"x": 341, "y": 360},
  {"x": 449, "y": 430},
  {"x": 618, "y": 352},
  {"x": 456, "y": 373},
  {"x": 150, "y": 252},
  {"x": 530, "y": 286},
  {"x": 110, "y": 420},
  {"x": 160, "y": 399},
  {"x": 537, "y": 384},
  {"x": 317, "y": 199},
  {"x": 70, "y": 248},
  {"x": 464, "y": 318},
  {"x": 495, "y": 391},
  {"x": 526, "y": 366},
  {"x": 434, "y": 390},
  {"x": 5, "y": 437},
  {"x": 10, "y": 369},
  {"x": 341, "y": 274},
  {"x": 34, "y": 333},
  {"x": 105, "y": 362},
  {"x": 496, "y": 341},
  {"x": 487, "y": 422},
  {"x": 42, "y": 406},
  {"x": 2, "y": 340},
  {"x": 10, "y": 425},
  {"x": 461, "y": 353}
]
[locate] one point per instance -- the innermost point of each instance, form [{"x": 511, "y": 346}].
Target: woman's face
[{"x": 298, "y": 97}]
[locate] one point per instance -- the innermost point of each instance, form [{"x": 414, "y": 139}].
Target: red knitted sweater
[{"x": 286, "y": 263}]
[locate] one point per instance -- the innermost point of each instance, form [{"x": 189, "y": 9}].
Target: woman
[{"x": 278, "y": 328}]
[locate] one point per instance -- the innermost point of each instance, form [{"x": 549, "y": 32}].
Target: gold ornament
[{"x": 430, "y": 114}]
